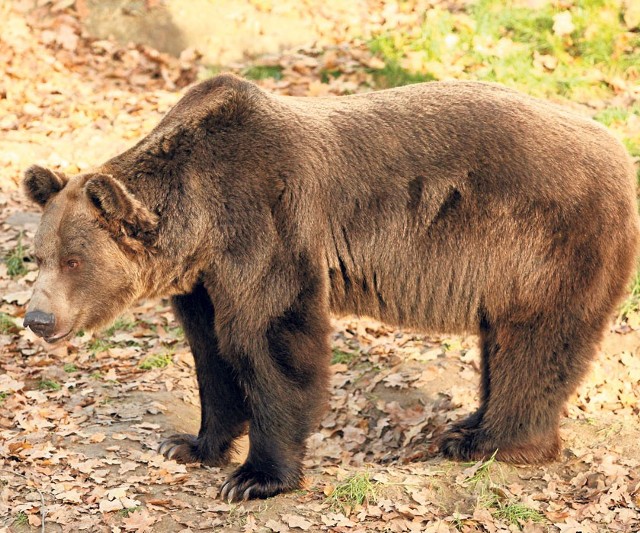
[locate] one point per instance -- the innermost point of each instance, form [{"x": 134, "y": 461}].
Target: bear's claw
[
  {"x": 246, "y": 483},
  {"x": 228, "y": 492},
  {"x": 167, "y": 449},
  {"x": 184, "y": 448}
]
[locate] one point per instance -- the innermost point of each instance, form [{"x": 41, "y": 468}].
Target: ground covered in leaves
[{"x": 80, "y": 422}]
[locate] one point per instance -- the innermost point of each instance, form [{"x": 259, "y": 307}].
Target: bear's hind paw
[{"x": 462, "y": 443}]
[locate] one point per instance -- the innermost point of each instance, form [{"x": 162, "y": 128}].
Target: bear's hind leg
[
  {"x": 529, "y": 369},
  {"x": 223, "y": 411}
]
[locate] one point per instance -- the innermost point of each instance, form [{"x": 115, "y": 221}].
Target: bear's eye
[{"x": 72, "y": 263}]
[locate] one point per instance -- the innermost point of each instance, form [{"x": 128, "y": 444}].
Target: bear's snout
[{"x": 41, "y": 323}]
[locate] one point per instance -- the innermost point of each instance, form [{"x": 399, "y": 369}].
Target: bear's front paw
[
  {"x": 185, "y": 448},
  {"x": 248, "y": 483}
]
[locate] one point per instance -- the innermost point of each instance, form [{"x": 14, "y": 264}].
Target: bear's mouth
[{"x": 57, "y": 338}]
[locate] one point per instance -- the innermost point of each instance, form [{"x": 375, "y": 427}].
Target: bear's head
[{"x": 90, "y": 247}]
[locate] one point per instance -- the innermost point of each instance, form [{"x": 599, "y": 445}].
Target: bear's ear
[
  {"x": 41, "y": 184},
  {"x": 121, "y": 211}
]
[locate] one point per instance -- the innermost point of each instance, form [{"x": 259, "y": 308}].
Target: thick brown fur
[{"x": 452, "y": 207}]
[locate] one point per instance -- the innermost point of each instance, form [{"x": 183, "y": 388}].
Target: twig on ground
[{"x": 43, "y": 510}]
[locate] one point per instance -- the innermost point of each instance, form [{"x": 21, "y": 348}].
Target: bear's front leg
[
  {"x": 284, "y": 374},
  {"x": 223, "y": 410}
]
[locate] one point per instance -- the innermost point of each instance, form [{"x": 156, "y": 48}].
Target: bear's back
[
  {"x": 437, "y": 199},
  {"x": 519, "y": 144}
]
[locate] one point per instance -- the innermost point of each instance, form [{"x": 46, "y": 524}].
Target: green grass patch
[
  {"x": 458, "y": 522},
  {"x": 355, "y": 490},
  {"x": 262, "y": 72},
  {"x": 121, "y": 324},
  {"x": 340, "y": 357},
  {"x": 3, "y": 396},
  {"x": 7, "y": 325},
  {"x": 326, "y": 75},
  {"x": 98, "y": 345},
  {"x": 127, "y": 511},
  {"x": 483, "y": 472},
  {"x": 450, "y": 345},
  {"x": 498, "y": 501},
  {"x": 103, "y": 343},
  {"x": 49, "y": 384},
  {"x": 21, "y": 519},
  {"x": 70, "y": 368},
  {"x": 175, "y": 331},
  {"x": 632, "y": 303},
  {"x": 516, "y": 513},
  {"x": 15, "y": 260},
  {"x": 393, "y": 75},
  {"x": 503, "y": 41},
  {"x": 633, "y": 146},
  {"x": 611, "y": 116},
  {"x": 157, "y": 361}
]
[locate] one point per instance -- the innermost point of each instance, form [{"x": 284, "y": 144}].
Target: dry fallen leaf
[
  {"x": 139, "y": 521},
  {"x": 97, "y": 437},
  {"x": 277, "y": 527},
  {"x": 18, "y": 297},
  {"x": 296, "y": 521},
  {"x": 563, "y": 23}
]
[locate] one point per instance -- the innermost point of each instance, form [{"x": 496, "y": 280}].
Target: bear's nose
[{"x": 41, "y": 323}]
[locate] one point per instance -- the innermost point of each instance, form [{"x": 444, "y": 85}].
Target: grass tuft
[
  {"x": 340, "y": 357},
  {"x": 483, "y": 473},
  {"x": 49, "y": 384},
  {"x": 121, "y": 324},
  {"x": 99, "y": 345},
  {"x": 128, "y": 510},
  {"x": 498, "y": 501},
  {"x": 393, "y": 75},
  {"x": 157, "y": 361},
  {"x": 15, "y": 260},
  {"x": 21, "y": 519},
  {"x": 516, "y": 513},
  {"x": 262, "y": 72},
  {"x": 612, "y": 116},
  {"x": 355, "y": 490},
  {"x": 632, "y": 303},
  {"x": 7, "y": 325},
  {"x": 175, "y": 331}
]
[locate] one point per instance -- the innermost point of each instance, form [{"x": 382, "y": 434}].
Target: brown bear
[{"x": 452, "y": 207}]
